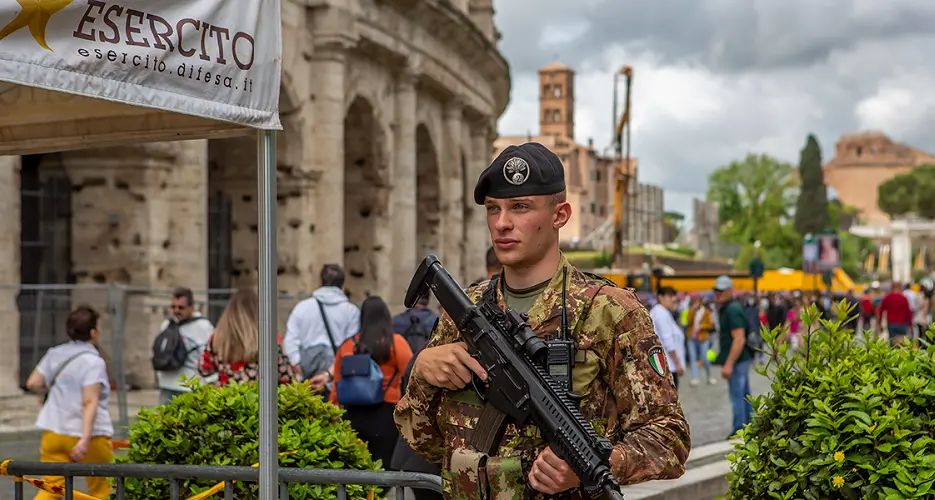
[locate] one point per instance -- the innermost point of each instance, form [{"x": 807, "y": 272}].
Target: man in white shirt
[
  {"x": 307, "y": 343},
  {"x": 917, "y": 305},
  {"x": 195, "y": 331},
  {"x": 668, "y": 330}
]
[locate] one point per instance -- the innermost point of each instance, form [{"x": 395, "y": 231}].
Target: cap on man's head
[
  {"x": 529, "y": 169},
  {"x": 722, "y": 283}
]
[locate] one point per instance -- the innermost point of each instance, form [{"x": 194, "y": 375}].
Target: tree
[
  {"x": 842, "y": 216},
  {"x": 755, "y": 196},
  {"x": 897, "y": 196},
  {"x": 925, "y": 191},
  {"x": 811, "y": 212},
  {"x": 674, "y": 222},
  {"x": 911, "y": 192}
]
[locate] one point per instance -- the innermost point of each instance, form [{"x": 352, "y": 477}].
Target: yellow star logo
[{"x": 36, "y": 15}]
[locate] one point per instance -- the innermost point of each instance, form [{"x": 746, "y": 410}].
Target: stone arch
[
  {"x": 468, "y": 183},
  {"x": 469, "y": 216},
  {"x": 428, "y": 194},
  {"x": 232, "y": 199},
  {"x": 232, "y": 217},
  {"x": 366, "y": 201},
  {"x": 429, "y": 116},
  {"x": 289, "y": 99},
  {"x": 45, "y": 257}
]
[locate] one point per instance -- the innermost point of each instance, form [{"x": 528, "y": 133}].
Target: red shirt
[
  {"x": 866, "y": 305},
  {"x": 896, "y": 307}
]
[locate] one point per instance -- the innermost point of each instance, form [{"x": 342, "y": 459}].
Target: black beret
[{"x": 526, "y": 170}]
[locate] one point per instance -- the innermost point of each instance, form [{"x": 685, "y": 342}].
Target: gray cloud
[
  {"x": 717, "y": 79},
  {"x": 729, "y": 35}
]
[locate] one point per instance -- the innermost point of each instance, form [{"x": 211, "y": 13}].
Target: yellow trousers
[{"x": 55, "y": 448}]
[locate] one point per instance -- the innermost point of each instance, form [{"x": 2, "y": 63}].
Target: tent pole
[{"x": 268, "y": 293}]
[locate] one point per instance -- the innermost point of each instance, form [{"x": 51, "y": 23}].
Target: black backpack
[
  {"x": 169, "y": 352},
  {"x": 754, "y": 338},
  {"x": 418, "y": 333}
]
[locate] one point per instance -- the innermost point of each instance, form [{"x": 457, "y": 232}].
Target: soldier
[{"x": 619, "y": 364}]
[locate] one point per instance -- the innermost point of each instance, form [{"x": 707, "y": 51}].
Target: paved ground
[{"x": 706, "y": 406}]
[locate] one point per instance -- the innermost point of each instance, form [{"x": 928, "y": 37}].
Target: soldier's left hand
[{"x": 551, "y": 475}]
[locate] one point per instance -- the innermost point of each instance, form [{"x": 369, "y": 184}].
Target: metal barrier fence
[
  {"x": 178, "y": 473},
  {"x": 130, "y": 319}
]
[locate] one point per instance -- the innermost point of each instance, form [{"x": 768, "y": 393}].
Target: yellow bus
[{"x": 778, "y": 280}]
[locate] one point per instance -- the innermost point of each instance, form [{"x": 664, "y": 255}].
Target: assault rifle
[{"x": 517, "y": 384}]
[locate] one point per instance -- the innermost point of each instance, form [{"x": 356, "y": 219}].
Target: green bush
[
  {"x": 220, "y": 426},
  {"x": 603, "y": 259},
  {"x": 848, "y": 417}
]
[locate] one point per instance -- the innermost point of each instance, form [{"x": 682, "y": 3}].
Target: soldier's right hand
[{"x": 448, "y": 366}]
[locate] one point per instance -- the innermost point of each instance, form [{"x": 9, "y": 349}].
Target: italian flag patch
[{"x": 657, "y": 359}]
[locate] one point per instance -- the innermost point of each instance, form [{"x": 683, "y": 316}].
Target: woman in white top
[{"x": 74, "y": 416}]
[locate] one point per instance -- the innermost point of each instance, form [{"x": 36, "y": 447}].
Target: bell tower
[{"x": 557, "y": 100}]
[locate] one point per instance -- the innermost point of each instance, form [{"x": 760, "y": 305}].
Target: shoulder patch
[{"x": 657, "y": 360}]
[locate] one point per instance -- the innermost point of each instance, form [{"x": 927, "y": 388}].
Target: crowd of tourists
[
  {"x": 328, "y": 339},
  {"x": 698, "y": 330},
  {"x": 324, "y": 333}
]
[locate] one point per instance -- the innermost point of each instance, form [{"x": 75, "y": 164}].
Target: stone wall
[
  {"x": 9, "y": 273},
  {"x": 647, "y": 215},
  {"x": 139, "y": 219},
  {"x": 232, "y": 171},
  {"x": 388, "y": 115}
]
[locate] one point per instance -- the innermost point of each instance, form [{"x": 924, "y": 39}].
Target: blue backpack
[{"x": 361, "y": 382}]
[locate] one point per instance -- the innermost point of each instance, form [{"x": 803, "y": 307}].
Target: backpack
[
  {"x": 419, "y": 332},
  {"x": 361, "y": 382},
  {"x": 754, "y": 339},
  {"x": 169, "y": 351}
]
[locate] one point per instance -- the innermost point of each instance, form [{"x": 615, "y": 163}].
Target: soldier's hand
[
  {"x": 551, "y": 475},
  {"x": 447, "y": 366}
]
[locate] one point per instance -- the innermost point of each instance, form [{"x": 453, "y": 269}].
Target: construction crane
[{"x": 622, "y": 174}]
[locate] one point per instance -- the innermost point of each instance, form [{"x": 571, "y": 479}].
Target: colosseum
[{"x": 389, "y": 112}]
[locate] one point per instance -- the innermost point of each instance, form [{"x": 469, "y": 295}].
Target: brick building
[
  {"x": 864, "y": 160},
  {"x": 589, "y": 174}
]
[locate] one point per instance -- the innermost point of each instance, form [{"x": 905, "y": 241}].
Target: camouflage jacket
[{"x": 627, "y": 397}]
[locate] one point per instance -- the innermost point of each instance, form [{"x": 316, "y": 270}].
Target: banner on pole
[
  {"x": 214, "y": 59},
  {"x": 829, "y": 252}
]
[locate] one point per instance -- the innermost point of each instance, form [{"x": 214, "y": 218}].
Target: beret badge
[{"x": 516, "y": 171}]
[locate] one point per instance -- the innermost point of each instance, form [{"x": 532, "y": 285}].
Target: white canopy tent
[{"x": 94, "y": 73}]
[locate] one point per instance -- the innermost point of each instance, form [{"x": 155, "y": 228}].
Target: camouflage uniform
[{"x": 625, "y": 398}]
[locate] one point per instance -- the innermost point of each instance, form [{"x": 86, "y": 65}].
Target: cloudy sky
[{"x": 716, "y": 79}]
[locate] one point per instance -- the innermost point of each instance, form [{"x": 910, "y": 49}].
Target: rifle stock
[{"x": 517, "y": 382}]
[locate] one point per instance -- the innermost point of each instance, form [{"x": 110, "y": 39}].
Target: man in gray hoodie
[{"x": 318, "y": 326}]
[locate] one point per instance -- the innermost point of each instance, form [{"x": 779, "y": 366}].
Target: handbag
[
  {"x": 361, "y": 382},
  {"x": 316, "y": 359}
]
